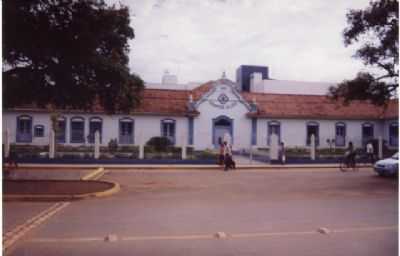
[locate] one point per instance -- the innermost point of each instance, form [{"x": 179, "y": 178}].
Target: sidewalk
[
  {"x": 75, "y": 167},
  {"x": 244, "y": 160}
]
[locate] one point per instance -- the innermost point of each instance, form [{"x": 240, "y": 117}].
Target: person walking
[
  {"x": 370, "y": 152},
  {"x": 351, "y": 155},
  {"x": 9, "y": 164},
  {"x": 228, "y": 160}
]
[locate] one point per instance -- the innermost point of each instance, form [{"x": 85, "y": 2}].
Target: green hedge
[
  {"x": 206, "y": 154},
  {"x": 26, "y": 148},
  {"x": 159, "y": 144}
]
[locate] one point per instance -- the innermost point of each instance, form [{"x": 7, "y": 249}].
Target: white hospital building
[{"x": 249, "y": 109}]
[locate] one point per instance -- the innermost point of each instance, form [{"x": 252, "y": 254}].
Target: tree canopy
[
  {"x": 376, "y": 28},
  {"x": 68, "y": 54}
]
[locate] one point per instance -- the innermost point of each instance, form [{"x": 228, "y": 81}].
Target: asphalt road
[{"x": 286, "y": 212}]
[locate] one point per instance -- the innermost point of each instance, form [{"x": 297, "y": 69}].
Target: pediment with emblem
[{"x": 223, "y": 95}]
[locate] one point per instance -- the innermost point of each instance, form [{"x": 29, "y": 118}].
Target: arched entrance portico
[{"x": 221, "y": 125}]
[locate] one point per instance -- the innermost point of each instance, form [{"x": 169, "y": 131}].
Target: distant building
[
  {"x": 170, "y": 82},
  {"x": 244, "y": 74},
  {"x": 168, "y": 78},
  {"x": 288, "y": 87}
]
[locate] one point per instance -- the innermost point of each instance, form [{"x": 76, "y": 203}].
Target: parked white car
[{"x": 388, "y": 166}]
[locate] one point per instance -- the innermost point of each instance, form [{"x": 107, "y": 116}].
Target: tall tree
[
  {"x": 68, "y": 54},
  {"x": 377, "y": 28}
]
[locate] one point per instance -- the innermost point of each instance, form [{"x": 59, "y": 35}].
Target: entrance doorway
[{"x": 222, "y": 128}]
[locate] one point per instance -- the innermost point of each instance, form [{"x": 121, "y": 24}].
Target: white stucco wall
[
  {"x": 293, "y": 131},
  {"x": 203, "y": 124},
  {"x": 145, "y": 127},
  {"x": 10, "y": 122},
  {"x": 150, "y": 126},
  {"x": 385, "y": 131}
]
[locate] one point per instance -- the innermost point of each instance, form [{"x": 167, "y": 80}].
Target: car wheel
[{"x": 381, "y": 174}]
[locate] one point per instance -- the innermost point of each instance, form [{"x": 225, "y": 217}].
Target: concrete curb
[
  {"x": 49, "y": 197},
  {"x": 238, "y": 167}
]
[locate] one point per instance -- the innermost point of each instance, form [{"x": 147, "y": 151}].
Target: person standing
[
  {"x": 281, "y": 153},
  {"x": 370, "y": 152},
  {"x": 221, "y": 152}
]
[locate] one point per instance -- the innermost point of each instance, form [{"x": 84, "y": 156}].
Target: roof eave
[{"x": 264, "y": 115}]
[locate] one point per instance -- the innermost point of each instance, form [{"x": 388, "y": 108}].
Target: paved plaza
[{"x": 307, "y": 211}]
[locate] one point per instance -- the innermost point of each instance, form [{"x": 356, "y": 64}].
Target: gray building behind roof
[{"x": 243, "y": 75}]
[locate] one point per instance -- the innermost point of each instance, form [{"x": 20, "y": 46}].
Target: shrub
[
  {"x": 296, "y": 151},
  {"x": 205, "y": 154},
  {"x": 69, "y": 148},
  {"x": 132, "y": 149},
  {"x": 189, "y": 150},
  {"x": 27, "y": 148},
  {"x": 112, "y": 146},
  {"x": 331, "y": 151},
  {"x": 159, "y": 143}
]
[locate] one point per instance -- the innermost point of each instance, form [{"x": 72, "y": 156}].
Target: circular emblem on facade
[{"x": 223, "y": 98}]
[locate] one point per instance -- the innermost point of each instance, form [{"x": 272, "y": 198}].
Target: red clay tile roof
[
  {"x": 175, "y": 102},
  {"x": 316, "y": 106},
  {"x": 199, "y": 91},
  {"x": 392, "y": 110},
  {"x": 154, "y": 102},
  {"x": 169, "y": 102}
]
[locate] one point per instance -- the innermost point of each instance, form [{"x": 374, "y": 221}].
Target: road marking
[
  {"x": 313, "y": 232},
  {"x": 96, "y": 174},
  {"x": 212, "y": 236},
  {"x": 364, "y": 229},
  {"x": 182, "y": 237},
  {"x": 127, "y": 238},
  {"x": 272, "y": 234},
  {"x": 67, "y": 240},
  {"x": 12, "y": 236}
]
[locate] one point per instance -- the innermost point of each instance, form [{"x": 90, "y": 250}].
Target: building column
[
  {"x": 253, "y": 132},
  {"x": 190, "y": 139}
]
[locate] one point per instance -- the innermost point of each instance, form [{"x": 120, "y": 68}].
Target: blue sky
[{"x": 198, "y": 40}]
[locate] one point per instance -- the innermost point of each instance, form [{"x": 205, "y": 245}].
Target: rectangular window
[
  {"x": 254, "y": 131},
  {"x": 168, "y": 130},
  {"x": 60, "y": 132},
  {"x": 394, "y": 135},
  {"x": 367, "y": 133},
  {"x": 191, "y": 131},
  {"x": 24, "y": 129},
  {"x": 77, "y": 131},
  {"x": 93, "y": 127},
  {"x": 126, "y": 132},
  {"x": 39, "y": 131},
  {"x": 312, "y": 129},
  {"x": 274, "y": 128},
  {"x": 340, "y": 137}
]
